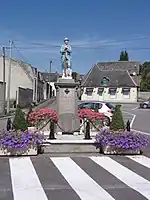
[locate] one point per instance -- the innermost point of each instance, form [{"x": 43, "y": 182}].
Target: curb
[{"x": 144, "y": 133}]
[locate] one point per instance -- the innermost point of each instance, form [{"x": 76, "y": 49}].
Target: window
[
  {"x": 126, "y": 93},
  {"x": 105, "y": 81},
  {"x": 112, "y": 92},
  {"x": 100, "y": 91},
  {"x": 89, "y": 91},
  {"x": 110, "y": 106},
  {"x": 86, "y": 106}
]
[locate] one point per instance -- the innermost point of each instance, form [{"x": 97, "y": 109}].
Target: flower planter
[
  {"x": 110, "y": 150},
  {"x": 32, "y": 128},
  {"x": 30, "y": 151}
]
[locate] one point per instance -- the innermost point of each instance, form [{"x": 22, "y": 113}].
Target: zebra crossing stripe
[
  {"x": 130, "y": 178},
  {"x": 143, "y": 160},
  {"x": 81, "y": 182},
  {"x": 25, "y": 182}
]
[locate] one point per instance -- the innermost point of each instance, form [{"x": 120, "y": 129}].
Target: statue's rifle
[{"x": 65, "y": 64}]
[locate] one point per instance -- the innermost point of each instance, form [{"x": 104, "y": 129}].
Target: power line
[
  {"x": 23, "y": 57},
  {"x": 86, "y": 45}
]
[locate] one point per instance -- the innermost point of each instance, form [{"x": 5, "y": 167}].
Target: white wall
[
  {"x": 53, "y": 87},
  {"x": 19, "y": 77},
  {"x": 107, "y": 97}
]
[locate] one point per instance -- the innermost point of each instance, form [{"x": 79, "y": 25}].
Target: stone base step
[{"x": 70, "y": 147}]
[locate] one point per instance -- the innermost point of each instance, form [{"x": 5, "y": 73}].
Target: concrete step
[{"x": 70, "y": 148}]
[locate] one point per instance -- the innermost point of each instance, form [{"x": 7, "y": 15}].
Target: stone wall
[{"x": 144, "y": 95}]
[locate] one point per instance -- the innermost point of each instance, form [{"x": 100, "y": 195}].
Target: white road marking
[
  {"x": 133, "y": 118},
  {"x": 135, "y": 108},
  {"x": 25, "y": 182},
  {"x": 143, "y": 160},
  {"x": 81, "y": 182},
  {"x": 141, "y": 132},
  {"x": 130, "y": 178},
  {"x": 132, "y": 121}
]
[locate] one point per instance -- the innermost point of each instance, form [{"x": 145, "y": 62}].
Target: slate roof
[
  {"x": 117, "y": 78},
  {"x": 131, "y": 66},
  {"x": 53, "y": 76}
]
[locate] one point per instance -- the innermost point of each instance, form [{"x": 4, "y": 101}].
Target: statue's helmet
[{"x": 66, "y": 39}]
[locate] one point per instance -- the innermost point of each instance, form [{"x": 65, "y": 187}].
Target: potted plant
[
  {"x": 117, "y": 140},
  {"x": 120, "y": 142},
  {"x": 14, "y": 143}
]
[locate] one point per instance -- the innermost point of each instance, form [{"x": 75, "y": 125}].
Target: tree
[
  {"x": 20, "y": 122},
  {"x": 75, "y": 76},
  {"x": 124, "y": 56},
  {"x": 145, "y": 75},
  {"x": 117, "y": 122}
]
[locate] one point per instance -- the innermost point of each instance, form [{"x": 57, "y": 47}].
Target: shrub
[
  {"x": 117, "y": 122},
  {"x": 20, "y": 122}
]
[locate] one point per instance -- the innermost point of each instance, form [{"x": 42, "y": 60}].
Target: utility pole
[
  {"x": 36, "y": 94},
  {"x": 9, "y": 76},
  {"x": 50, "y": 70},
  {"x": 4, "y": 84}
]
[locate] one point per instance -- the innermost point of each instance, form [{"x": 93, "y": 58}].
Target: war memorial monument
[{"x": 66, "y": 94}]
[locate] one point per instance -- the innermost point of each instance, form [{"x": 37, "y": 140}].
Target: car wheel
[
  {"x": 107, "y": 121},
  {"x": 144, "y": 106}
]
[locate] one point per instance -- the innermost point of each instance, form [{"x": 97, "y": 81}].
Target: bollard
[
  {"x": 9, "y": 125},
  {"x": 52, "y": 130},
  {"x": 87, "y": 131},
  {"x": 128, "y": 126}
]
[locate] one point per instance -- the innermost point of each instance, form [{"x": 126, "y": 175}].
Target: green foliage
[
  {"x": 117, "y": 122},
  {"x": 19, "y": 122},
  {"x": 145, "y": 76},
  {"x": 75, "y": 76},
  {"x": 124, "y": 56}
]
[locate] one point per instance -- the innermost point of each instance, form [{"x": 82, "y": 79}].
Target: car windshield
[{"x": 109, "y": 105}]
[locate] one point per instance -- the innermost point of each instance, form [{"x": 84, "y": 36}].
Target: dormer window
[{"x": 105, "y": 81}]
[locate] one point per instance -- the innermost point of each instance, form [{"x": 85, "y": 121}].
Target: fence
[{"x": 25, "y": 97}]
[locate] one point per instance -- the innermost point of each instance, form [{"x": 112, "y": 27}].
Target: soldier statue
[{"x": 66, "y": 59}]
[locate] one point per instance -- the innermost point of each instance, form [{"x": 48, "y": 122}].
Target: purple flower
[
  {"x": 121, "y": 139},
  {"x": 20, "y": 139}
]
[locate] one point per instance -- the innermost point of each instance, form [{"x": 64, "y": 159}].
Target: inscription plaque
[
  {"x": 69, "y": 121},
  {"x": 67, "y": 102}
]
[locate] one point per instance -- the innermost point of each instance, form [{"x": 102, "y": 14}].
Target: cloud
[{"x": 52, "y": 47}]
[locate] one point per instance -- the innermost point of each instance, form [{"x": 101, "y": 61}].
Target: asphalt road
[{"x": 75, "y": 178}]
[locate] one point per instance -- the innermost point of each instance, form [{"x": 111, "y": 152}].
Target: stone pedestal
[{"x": 66, "y": 97}]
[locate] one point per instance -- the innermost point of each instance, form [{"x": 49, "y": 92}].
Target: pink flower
[
  {"x": 90, "y": 114},
  {"x": 43, "y": 113}
]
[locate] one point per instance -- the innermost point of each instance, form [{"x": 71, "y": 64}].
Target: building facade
[
  {"x": 110, "y": 84},
  {"x": 51, "y": 79},
  {"x": 26, "y": 84},
  {"x": 21, "y": 76}
]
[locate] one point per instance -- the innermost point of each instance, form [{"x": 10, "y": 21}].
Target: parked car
[
  {"x": 145, "y": 104},
  {"x": 103, "y": 107}
]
